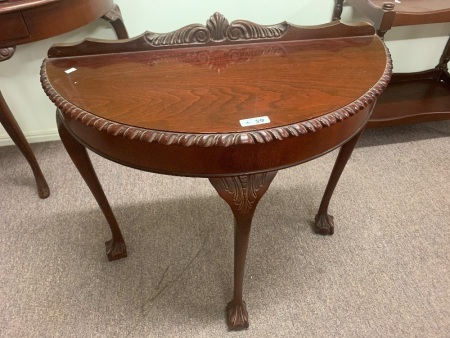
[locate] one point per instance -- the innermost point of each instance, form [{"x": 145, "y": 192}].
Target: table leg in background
[
  {"x": 337, "y": 12},
  {"x": 12, "y": 128},
  {"x": 324, "y": 224},
  {"x": 114, "y": 17}
]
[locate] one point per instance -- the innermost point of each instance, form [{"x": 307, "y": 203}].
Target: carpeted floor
[{"x": 384, "y": 273}]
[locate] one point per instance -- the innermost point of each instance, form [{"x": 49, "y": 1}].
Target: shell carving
[
  {"x": 187, "y": 35},
  {"x": 217, "y": 29},
  {"x": 217, "y": 25}
]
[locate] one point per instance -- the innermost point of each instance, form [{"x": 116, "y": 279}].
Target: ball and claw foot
[
  {"x": 237, "y": 316},
  {"x": 324, "y": 224},
  {"x": 115, "y": 250}
]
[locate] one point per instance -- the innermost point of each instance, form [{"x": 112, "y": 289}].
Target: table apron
[{"x": 217, "y": 161}]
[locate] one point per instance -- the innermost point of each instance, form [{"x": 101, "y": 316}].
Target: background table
[
  {"x": 410, "y": 97},
  {"x": 232, "y": 102},
  {"x": 25, "y": 21}
]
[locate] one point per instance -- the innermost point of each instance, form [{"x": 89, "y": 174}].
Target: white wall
[{"x": 19, "y": 76}]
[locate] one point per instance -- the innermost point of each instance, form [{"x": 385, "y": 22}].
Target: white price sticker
[
  {"x": 254, "y": 121},
  {"x": 70, "y": 70}
]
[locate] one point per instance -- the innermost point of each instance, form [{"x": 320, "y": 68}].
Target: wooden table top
[
  {"x": 218, "y": 86},
  {"x": 209, "y": 90}
]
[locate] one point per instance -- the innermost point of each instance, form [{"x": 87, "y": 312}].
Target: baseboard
[{"x": 36, "y": 137}]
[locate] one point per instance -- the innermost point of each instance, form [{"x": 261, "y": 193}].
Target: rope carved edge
[{"x": 221, "y": 140}]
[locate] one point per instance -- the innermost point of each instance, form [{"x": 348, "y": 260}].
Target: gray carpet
[{"x": 384, "y": 273}]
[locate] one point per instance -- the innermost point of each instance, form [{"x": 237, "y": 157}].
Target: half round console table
[
  {"x": 25, "y": 21},
  {"x": 231, "y": 102}
]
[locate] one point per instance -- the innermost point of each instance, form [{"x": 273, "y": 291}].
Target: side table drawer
[{"x": 12, "y": 26}]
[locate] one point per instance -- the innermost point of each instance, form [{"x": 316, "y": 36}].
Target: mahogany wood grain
[
  {"x": 173, "y": 104},
  {"x": 277, "y": 88},
  {"x": 200, "y": 105}
]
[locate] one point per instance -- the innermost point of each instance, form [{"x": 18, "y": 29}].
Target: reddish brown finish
[
  {"x": 115, "y": 248},
  {"x": 173, "y": 106},
  {"x": 417, "y": 12},
  {"x": 277, "y": 88},
  {"x": 242, "y": 194},
  {"x": 407, "y": 12},
  {"x": 417, "y": 97},
  {"x": 413, "y": 97},
  {"x": 295, "y": 107},
  {"x": 324, "y": 223},
  {"x": 13, "y": 27},
  {"x": 50, "y": 18},
  {"x": 10, "y": 124},
  {"x": 26, "y": 21}
]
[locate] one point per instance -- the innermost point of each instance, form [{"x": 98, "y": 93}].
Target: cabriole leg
[
  {"x": 242, "y": 194},
  {"x": 12, "y": 128},
  {"x": 115, "y": 248},
  {"x": 324, "y": 224}
]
